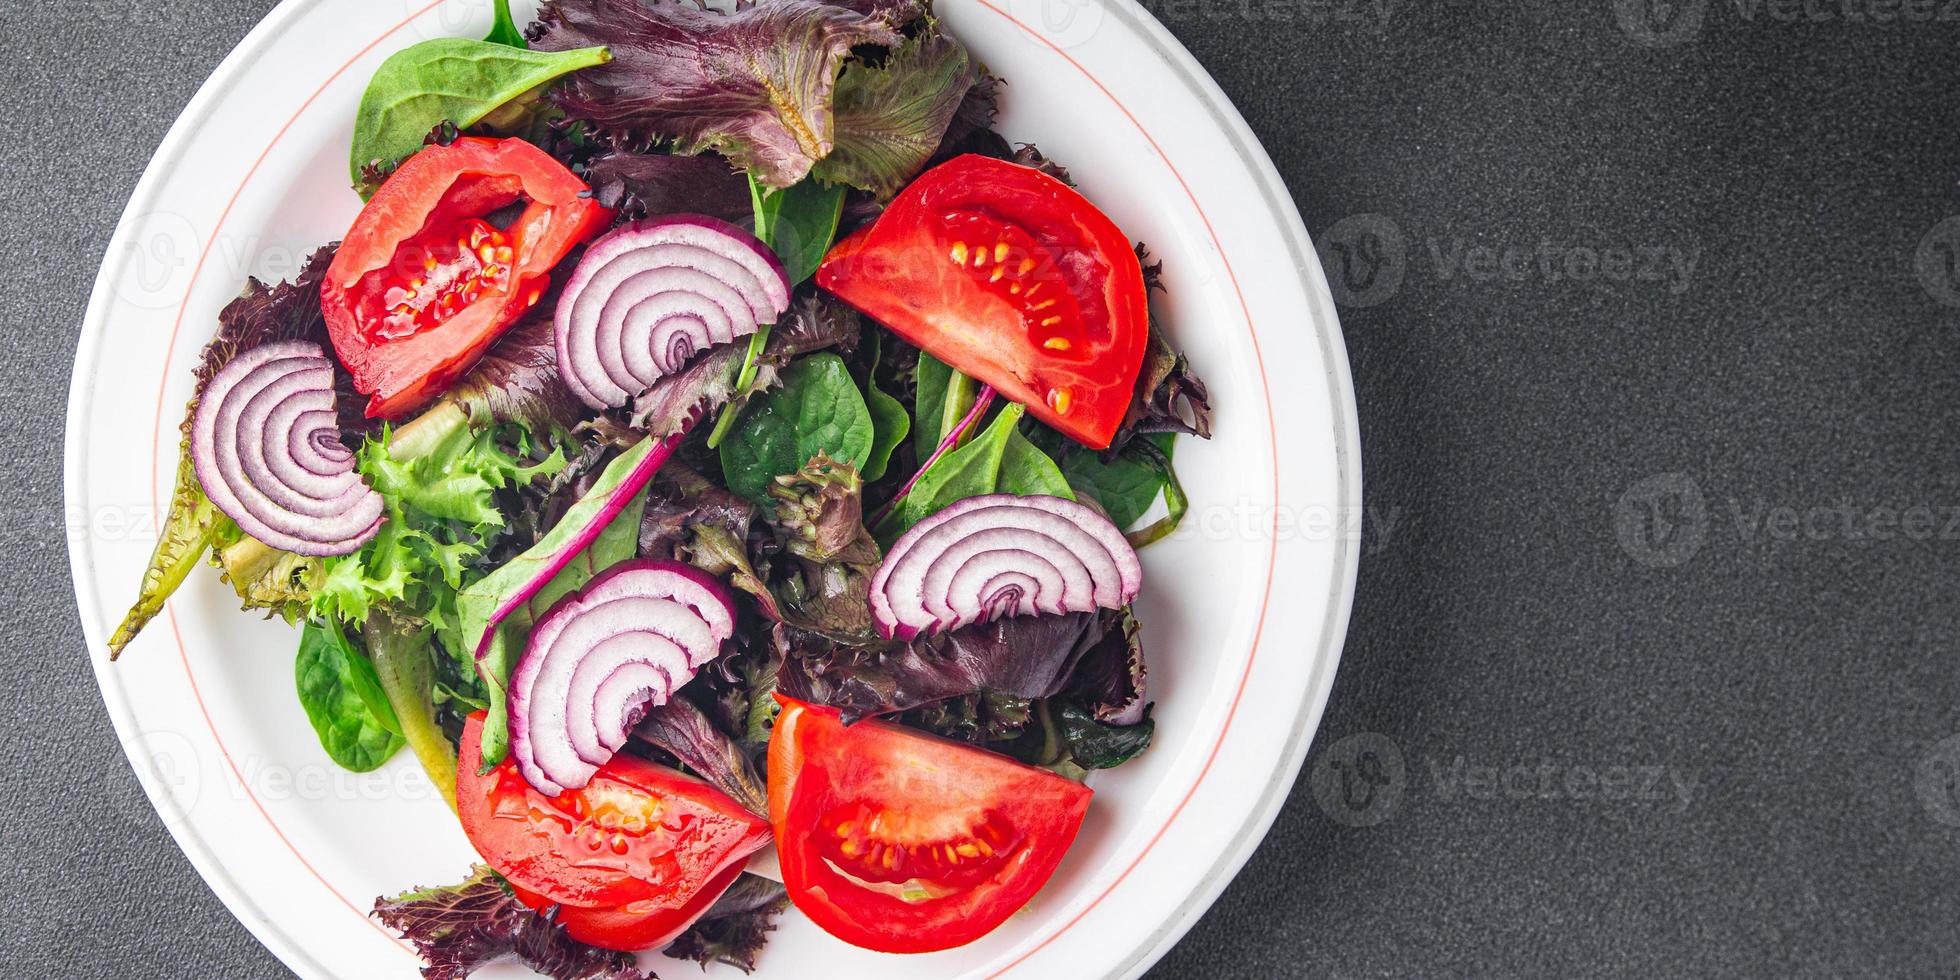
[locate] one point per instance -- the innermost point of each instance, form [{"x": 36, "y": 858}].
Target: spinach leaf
[
  {"x": 969, "y": 471},
  {"x": 929, "y": 404},
  {"x": 1026, "y": 470},
  {"x": 617, "y": 542},
  {"x": 889, "y": 426},
  {"x": 505, "y": 31},
  {"x": 818, "y": 409},
  {"x": 799, "y": 222},
  {"x": 1094, "y": 745},
  {"x": 344, "y": 701},
  {"x": 890, "y": 422},
  {"x": 1125, "y": 486},
  {"x": 450, "y": 79}
]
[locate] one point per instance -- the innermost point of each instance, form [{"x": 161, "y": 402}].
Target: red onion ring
[
  {"x": 601, "y": 657},
  {"x": 1002, "y": 555},
  {"x": 266, "y": 449},
  {"x": 650, "y": 295}
]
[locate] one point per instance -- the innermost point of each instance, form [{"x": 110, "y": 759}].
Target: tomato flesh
[
  {"x": 1012, "y": 277},
  {"x": 638, "y": 836},
  {"x": 898, "y": 841},
  {"x": 452, "y": 250},
  {"x": 633, "y": 927}
]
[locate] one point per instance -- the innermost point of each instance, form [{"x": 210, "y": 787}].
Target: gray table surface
[{"x": 1655, "y": 329}]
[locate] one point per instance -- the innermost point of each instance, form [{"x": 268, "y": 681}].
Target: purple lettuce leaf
[
  {"x": 754, "y": 85},
  {"x": 640, "y": 184},
  {"x": 890, "y": 119},
  {"x": 1110, "y": 679},
  {"x": 736, "y": 927},
  {"x": 1021, "y": 656},
  {"x": 462, "y": 928},
  {"x": 682, "y": 729}
]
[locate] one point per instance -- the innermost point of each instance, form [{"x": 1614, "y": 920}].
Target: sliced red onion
[
  {"x": 601, "y": 657},
  {"x": 631, "y": 486},
  {"x": 649, "y": 296},
  {"x": 267, "y": 451},
  {"x": 1002, "y": 555}
]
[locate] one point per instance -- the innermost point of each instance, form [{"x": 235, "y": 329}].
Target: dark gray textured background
[{"x": 1656, "y": 622}]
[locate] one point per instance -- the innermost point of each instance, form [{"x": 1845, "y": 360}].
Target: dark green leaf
[
  {"x": 505, "y": 31},
  {"x": 1026, "y": 470},
  {"x": 1094, "y": 745},
  {"x": 344, "y": 701},
  {"x": 969, "y": 471},
  {"x": 817, "y": 409},
  {"x": 929, "y": 404},
  {"x": 452, "y": 79},
  {"x": 1125, "y": 486},
  {"x": 799, "y": 222},
  {"x": 890, "y": 423}
]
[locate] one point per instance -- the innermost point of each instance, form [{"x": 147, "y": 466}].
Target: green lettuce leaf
[
  {"x": 890, "y": 119},
  {"x": 442, "y": 515}
]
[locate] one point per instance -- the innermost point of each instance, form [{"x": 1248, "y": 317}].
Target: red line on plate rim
[
  {"x": 1272, "y": 433},
  {"x": 1272, "y": 558},
  {"x": 156, "y": 446}
]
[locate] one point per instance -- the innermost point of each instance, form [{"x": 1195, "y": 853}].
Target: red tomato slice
[
  {"x": 1013, "y": 278},
  {"x": 628, "y": 928},
  {"x": 641, "y": 837},
  {"x": 424, "y": 281},
  {"x": 898, "y": 841}
]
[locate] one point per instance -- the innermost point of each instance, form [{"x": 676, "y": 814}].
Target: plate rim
[{"x": 1326, "y": 326}]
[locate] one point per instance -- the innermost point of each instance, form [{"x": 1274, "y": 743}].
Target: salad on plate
[{"x": 711, "y": 440}]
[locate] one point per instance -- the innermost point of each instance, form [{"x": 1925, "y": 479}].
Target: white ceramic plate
[{"x": 1244, "y": 609}]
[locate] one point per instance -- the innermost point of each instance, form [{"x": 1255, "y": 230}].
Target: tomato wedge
[
  {"x": 898, "y": 841},
  {"x": 629, "y": 928},
  {"x": 638, "y": 837},
  {"x": 430, "y": 275},
  {"x": 1012, "y": 277}
]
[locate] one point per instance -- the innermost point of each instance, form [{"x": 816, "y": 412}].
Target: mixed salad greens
[{"x": 709, "y": 434}]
